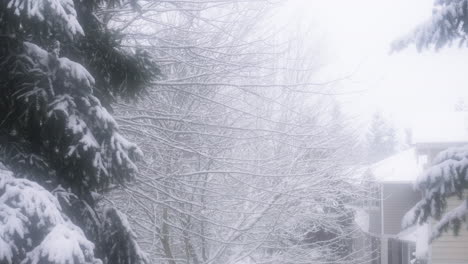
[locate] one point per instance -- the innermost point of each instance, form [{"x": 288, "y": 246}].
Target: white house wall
[{"x": 451, "y": 249}]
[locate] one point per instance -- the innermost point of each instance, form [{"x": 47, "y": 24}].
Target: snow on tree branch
[
  {"x": 452, "y": 219},
  {"x": 87, "y": 129},
  {"x": 56, "y": 12},
  {"x": 64, "y": 244},
  {"x": 449, "y": 22},
  {"x": 69, "y": 70},
  {"x": 445, "y": 179},
  {"x": 33, "y": 228}
]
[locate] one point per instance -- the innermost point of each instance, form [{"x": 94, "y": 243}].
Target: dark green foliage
[
  {"x": 54, "y": 118},
  {"x": 119, "y": 240},
  {"x": 117, "y": 71},
  {"x": 57, "y": 64}
]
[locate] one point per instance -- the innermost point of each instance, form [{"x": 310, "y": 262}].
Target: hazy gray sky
[{"x": 358, "y": 35}]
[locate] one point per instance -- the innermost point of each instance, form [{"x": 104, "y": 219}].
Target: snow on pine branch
[
  {"x": 66, "y": 69},
  {"x": 445, "y": 179},
  {"x": 33, "y": 228},
  {"x": 76, "y": 72},
  {"x": 64, "y": 244},
  {"x": 61, "y": 13},
  {"x": 91, "y": 133},
  {"x": 455, "y": 153},
  {"x": 411, "y": 217},
  {"x": 453, "y": 219},
  {"x": 447, "y": 23},
  {"x": 447, "y": 174}
]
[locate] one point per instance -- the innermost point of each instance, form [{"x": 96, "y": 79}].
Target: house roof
[
  {"x": 401, "y": 167},
  {"x": 430, "y": 130}
]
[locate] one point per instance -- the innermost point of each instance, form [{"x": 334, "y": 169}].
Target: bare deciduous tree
[{"x": 247, "y": 159}]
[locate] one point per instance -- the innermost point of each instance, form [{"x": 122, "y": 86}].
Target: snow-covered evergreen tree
[
  {"x": 58, "y": 62},
  {"x": 34, "y": 229},
  {"x": 448, "y": 23},
  {"x": 446, "y": 178}
]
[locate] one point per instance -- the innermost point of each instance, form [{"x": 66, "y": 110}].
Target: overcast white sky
[{"x": 358, "y": 33}]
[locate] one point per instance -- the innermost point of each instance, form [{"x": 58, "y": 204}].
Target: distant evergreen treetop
[{"x": 381, "y": 139}]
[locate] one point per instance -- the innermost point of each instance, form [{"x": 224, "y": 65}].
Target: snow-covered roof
[
  {"x": 401, "y": 167},
  {"x": 440, "y": 127}
]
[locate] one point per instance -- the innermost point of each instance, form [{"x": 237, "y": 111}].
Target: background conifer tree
[{"x": 381, "y": 139}]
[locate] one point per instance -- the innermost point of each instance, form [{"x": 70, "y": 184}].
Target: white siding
[{"x": 451, "y": 249}]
